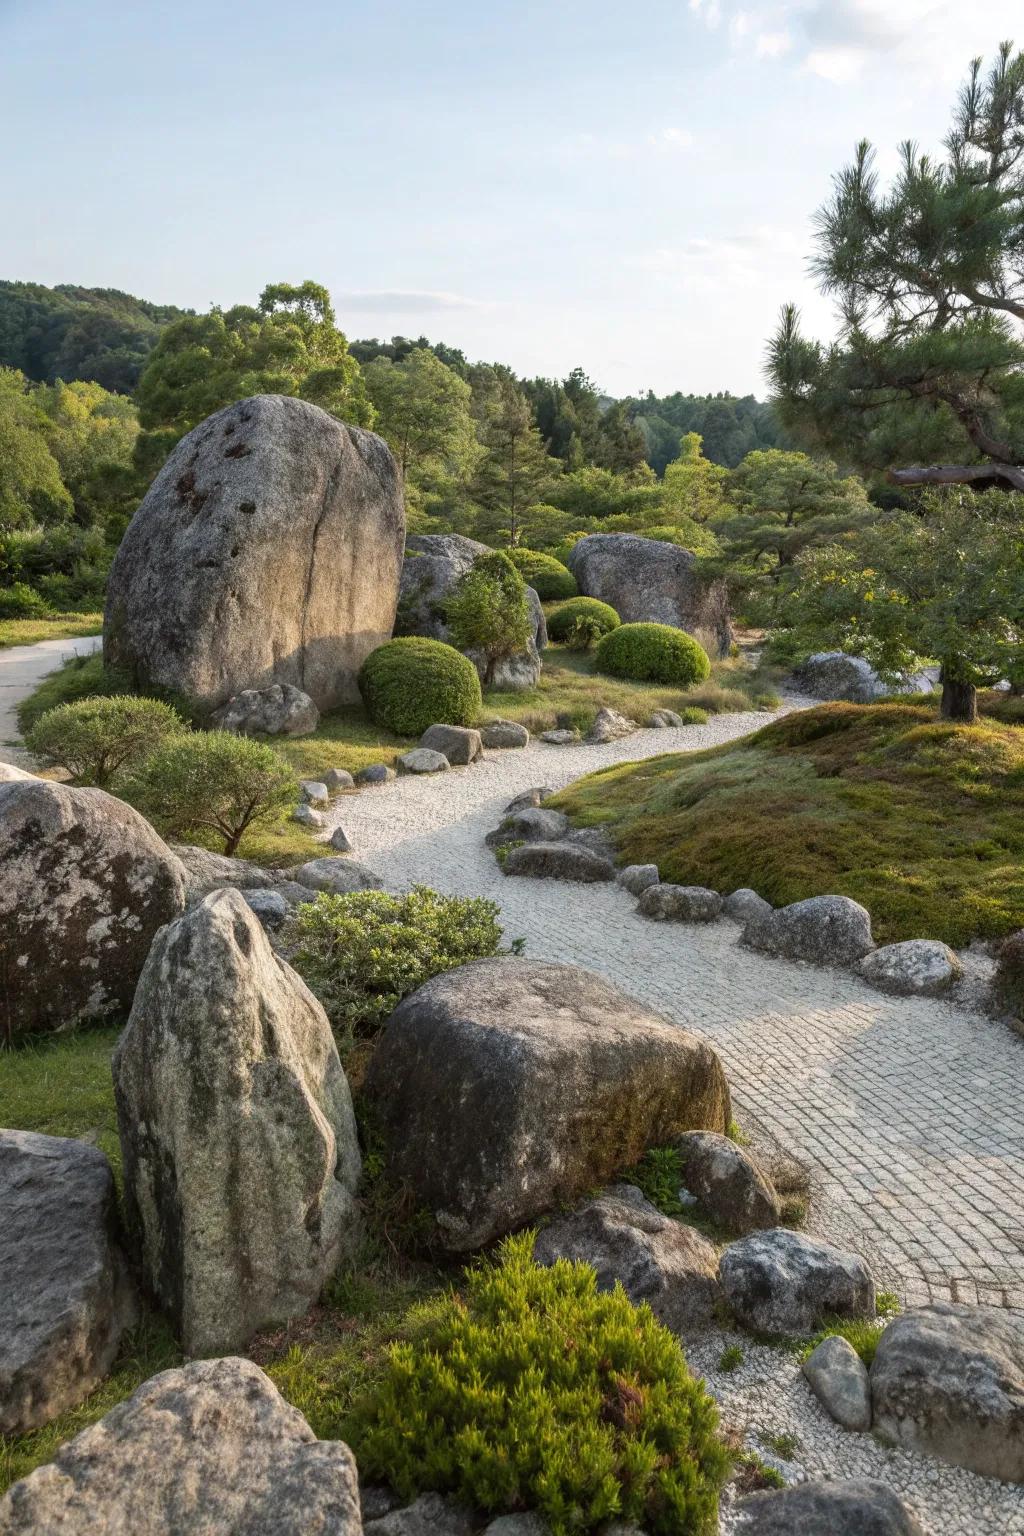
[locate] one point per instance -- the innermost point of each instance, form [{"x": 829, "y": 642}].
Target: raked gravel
[{"x": 907, "y": 1111}]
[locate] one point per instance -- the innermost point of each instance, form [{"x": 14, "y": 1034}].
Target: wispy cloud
[
  {"x": 667, "y": 140},
  {"x": 404, "y": 301}
]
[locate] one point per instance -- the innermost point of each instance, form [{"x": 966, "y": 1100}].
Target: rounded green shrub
[
  {"x": 96, "y": 739},
  {"x": 212, "y": 782},
  {"x": 548, "y": 577},
  {"x": 563, "y": 619},
  {"x": 488, "y": 614},
  {"x": 410, "y": 683},
  {"x": 531, "y": 1390},
  {"x": 652, "y": 653}
]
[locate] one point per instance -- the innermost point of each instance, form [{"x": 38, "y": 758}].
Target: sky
[{"x": 625, "y": 188}]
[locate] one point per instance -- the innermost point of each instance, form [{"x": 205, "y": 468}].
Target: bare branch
[{"x": 957, "y": 474}]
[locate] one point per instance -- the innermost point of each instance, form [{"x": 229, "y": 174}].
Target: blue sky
[{"x": 626, "y": 188}]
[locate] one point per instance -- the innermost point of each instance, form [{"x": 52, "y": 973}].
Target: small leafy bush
[
  {"x": 488, "y": 613},
  {"x": 691, "y": 715},
  {"x": 19, "y": 601},
  {"x": 411, "y": 683},
  {"x": 584, "y": 635},
  {"x": 653, "y": 653},
  {"x": 548, "y": 577},
  {"x": 212, "y": 781},
  {"x": 563, "y": 618},
  {"x": 532, "y": 1390},
  {"x": 96, "y": 739},
  {"x": 362, "y": 953}
]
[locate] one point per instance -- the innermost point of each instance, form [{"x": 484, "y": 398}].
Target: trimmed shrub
[
  {"x": 410, "y": 683},
  {"x": 96, "y": 739},
  {"x": 362, "y": 953},
  {"x": 488, "y": 613},
  {"x": 531, "y": 1390},
  {"x": 212, "y": 781},
  {"x": 652, "y": 653},
  {"x": 563, "y": 618},
  {"x": 548, "y": 577}
]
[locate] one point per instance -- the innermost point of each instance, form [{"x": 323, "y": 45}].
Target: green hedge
[
  {"x": 97, "y": 739},
  {"x": 411, "y": 683},
  {"x": 563, "y": 619},
  {"x": 548, "y": 577},
  {"x": 652, "y": 653}
]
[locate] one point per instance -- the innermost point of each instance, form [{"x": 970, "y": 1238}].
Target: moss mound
[
  {"x": 562, "y": 620},
  {"x": 919, "y": 819},
  {"x": 652, "y": 653},
  {"x": 411, "y": 683},
  {"x": 548, "y": 577}
]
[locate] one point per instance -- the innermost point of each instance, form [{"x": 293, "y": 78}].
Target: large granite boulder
[
  {"x": 854, "y": 1507},
  {"x": 267, "y": 550},
  {"x": 434, "y": 565},
  {"x": 948, "y": 1380},
  {"x": 508, "y": 1086},
  {"x": 237, "y": 1131},
  {"x": 211, "y": 1448},
  {"x": 913, "y": 968},
  {"x": 85, "y": 883},
  {"x": 835, "y": 675},
  {"x": 781, "y": 1282},
  {"x": 10, "y": 773},
  {"x": 628, "y": 1241},
  {"x": 680, "y": 904},
  {"x": 829, "y": 930},
  {"x": 649, "y": 581},
  {"x": 67, "y": 1299},
  {"x": 279, "y": 710},
  {"x": 559, "y": 861},
  {"x": 731, "y": 1187}
]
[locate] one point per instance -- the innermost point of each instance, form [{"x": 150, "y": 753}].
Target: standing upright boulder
[
  {"x": 85, "y": 883},
  {"x": 267, "y": 550},
  {"x": 648, "y": 581},
  {"x": 237, "y": 1130}
]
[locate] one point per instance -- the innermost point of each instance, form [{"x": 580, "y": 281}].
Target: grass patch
[
  {"x": 53, "y": 626},
  {"x": 730, "y": 1359},
  {"x": 921, "y": 820},
  {"x": 61, "y": 1086}
]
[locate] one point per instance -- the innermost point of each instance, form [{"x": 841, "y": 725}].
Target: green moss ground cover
[{"x": 920, "y": 820}]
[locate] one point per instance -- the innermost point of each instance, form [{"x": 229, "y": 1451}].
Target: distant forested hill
[
  {"x": 731, "y": 426},
  {"x": 69, "y": 333}
]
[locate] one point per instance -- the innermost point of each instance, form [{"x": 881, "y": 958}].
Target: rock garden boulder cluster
[{"x": 648, "y": 581}]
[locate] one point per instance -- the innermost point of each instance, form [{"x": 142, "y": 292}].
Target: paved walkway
[
  {"x": 22, "y": 669},
  {"x": 909, "y": 1113}
]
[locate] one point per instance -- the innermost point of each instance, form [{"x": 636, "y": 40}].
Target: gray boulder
[
  {"x": 85, "y": 883},
  {"x": 337, "y": 876},
  {"x": 829, "y": 930},
  {"x": 269, "y": 905},
  {"x": 835, "y": 675},
  {"x": 948, "y": 1380},
  {"x": 339, "y": 841},
  {"x": 855, "y": 1507},
  {"x": 535, "y": 796},
  {"x": 307, "y": 816},
  {"x": 655, "y": 1259},
  {"x": 560, "y": 736},
  {"x": 509, "y": 1086},
  {"x": 206, "y": 872},
  {"x": 280, "y": 710},
  {"x": 839, "y": 1380},
  {"x": 375, "y": 773},
  {"x": 609, "y": 725},
  {"x": 430, "y": 1515},
  {"x": 504, "y": 734},
  {"x": 744, "y": 905},
  {"x": 314, "y": 792},
  {"x": 67, "y": 1298},
  {"x": 649, "y": 581},
  {"x": 422, "y": 760},
  {"x": 337, "y": 779},
  {"x": 917, "y": 967},
  {"x": 680, "y": 904},
  {"x": 457, "y": 743},
  {"x": 664, "y": 720},
  {"x": 734, "y": 1191},
  {"x": 532, "y": 824},
  {"x": 237, "y": 1131},
  {"x": 211, "y": 1448},
  {"x": 637, "y": 878},
  {"x": 267, "y": 550},
  {"x": 780, "y": 1282},
  {"x": 558, "y": 861}
]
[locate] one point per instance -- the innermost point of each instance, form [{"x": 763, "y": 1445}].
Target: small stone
[
  {"x": 422, "y": 760},
  {"x": 781, "y": 1282},
  {"x": 307, "y": 817},
  {"x": 609, "y": 725},
  {"x": 680, "y": 904},
  {"x": 337, "y": 779},
  {"x": 504, "y": 734},
  {"x": 558, "y": 861},
  {"x": 828, "y": 930},
  {"x": 664, "y": 720},
  {"x": 732, "y": 1189},
  {"x": 839, "y": 1380},
  {"x": 637, "y": 878},
  {"x": 269, "y": 905},
  {"x": 314, "y": 792},
  {"x": 339, "y": 841},
  {"x": 457, "y": 743},
  {"x": 917, "y": 967},
  {"x": 280, "y": 710},
  {"x": 430, "y": 1515},
  {"x": 532, "y": 824},
  {"x": 559, "y": 737},
  {"x": 529, "y": 1524},
  {"x": 375, "y": 773},
  {"x": 535, "y": 796},
  {"x": 338, "y": 876},
  {"x": 377, "y": 1500},
  {"x": 744, "y": 905}
]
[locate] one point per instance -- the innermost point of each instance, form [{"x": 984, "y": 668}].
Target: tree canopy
[{"x": 67, "y": 332}]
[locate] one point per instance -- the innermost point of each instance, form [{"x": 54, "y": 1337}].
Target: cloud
[
  {"x": 410, "y": 301},
  {"x": 603, "y": 146},
  {"x": 730, "y": 263}
]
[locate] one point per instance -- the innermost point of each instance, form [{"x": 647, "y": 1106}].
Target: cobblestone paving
[{"x": 909, "y": 1112}]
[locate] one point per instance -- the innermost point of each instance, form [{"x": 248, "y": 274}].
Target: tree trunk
[
  {"x": 959, "y": 701},
  {"x": 957, "y": 474}
]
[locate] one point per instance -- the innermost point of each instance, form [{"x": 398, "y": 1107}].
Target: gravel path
[{"x": 22, "y": 669}]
